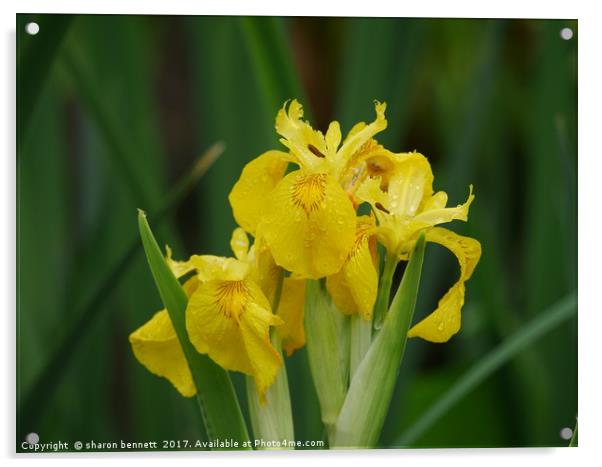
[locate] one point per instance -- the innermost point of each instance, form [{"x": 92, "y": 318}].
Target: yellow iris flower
[
  {"x": 307, "y": 217},
  {"x": 228, "y": 317},
  {"x": 405, "y": 205}
]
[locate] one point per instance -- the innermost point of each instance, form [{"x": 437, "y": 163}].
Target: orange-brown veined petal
[
  {"x": 230, "y": 322},
  {"x": 309, "y": 224}
]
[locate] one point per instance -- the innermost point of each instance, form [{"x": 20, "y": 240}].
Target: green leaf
[
  {"x": 363, "y": 414},
  {"x": 215, "y": 394},
  {"x": 511, "y": 347}
]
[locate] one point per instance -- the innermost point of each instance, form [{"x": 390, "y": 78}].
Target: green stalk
[
  {"x": 360, "y": 340},
  {"x": 327, "y": 349},
  {"x": 215, "y": 396},
  {"x": 384, "y": 290},
  {"x": 272, "y": 419},
  {"x": 363, "y": 414}
]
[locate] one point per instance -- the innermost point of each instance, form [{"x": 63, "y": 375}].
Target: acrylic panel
[{"x": 295, "y": 233}]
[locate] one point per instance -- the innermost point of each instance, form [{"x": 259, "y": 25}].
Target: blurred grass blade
[
  {"x": 215, "y": 394},
  {"x": 272, "y": 62},
  {"x": 512, "y": 346},
  {"x": 35, "y": 56},
  {"x": 35, "y": 402},
  {"x": 328, "y": 350},
  {"x": 120, "y": 147},
  {"x": 367, "y": 402},
  {"x": 574, "y": 439}
]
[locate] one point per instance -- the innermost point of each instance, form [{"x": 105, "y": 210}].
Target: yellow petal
[
  {"x": 309, "y": 224},
  {"x": 445, "y": 321},
  {"x": 264, "y": 271},
  {"x": 353, "y": 289},
  {"x": 209, "y": 267},
  {"x": 239, "y": 243},
  {"x": 156, "y": 346},
  {"x": 307, "y": 144},
  {"x": 292, "y": 311},
  {"x": 250, "y": 194},
  {"x": 264, "y": 358},
  {"x": 179, "y": 268},
  {"x": 230, "y": 321},
  {"x": 333, "y": 137},
  {"x": 411, "y": 183},
  {"x": 439, "y": 215},
  {"x": 362, "y": 133}
]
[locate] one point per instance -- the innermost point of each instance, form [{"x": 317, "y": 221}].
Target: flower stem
[
  {"x": 272, "y": 419},
  {"x": 361, "y": 338},
  {"x": 384, "y": 291}
]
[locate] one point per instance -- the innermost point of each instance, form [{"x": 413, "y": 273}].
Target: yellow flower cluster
[{"x": 301, "y": 207}]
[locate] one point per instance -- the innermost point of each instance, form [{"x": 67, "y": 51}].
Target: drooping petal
[
  {"x": 445, "y": 321},
  {"x": 156, "y": 346},
  {"x": 309, "y": 224},
  {"x": 251, "y": 192},
  {"x": 265, "y": 360},
  {"x": 291, "y": 310},
  {"x": 230, "y": 321},
  {"x": 353, "y": 289},
  {"x": 439, "y": 215}
]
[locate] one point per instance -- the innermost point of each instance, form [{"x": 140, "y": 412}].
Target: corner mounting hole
[
  {"x": 32, "y": 28},
  {"x": 566, "y": 433},
  {"x": 566, "y": 34}
]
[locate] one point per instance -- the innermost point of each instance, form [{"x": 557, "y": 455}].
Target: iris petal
[
  {"x": 156, "y": 346},
  {"x": 251, "y": 192},
  {"x": 353, "y": 289},
  {"x": 445, "y": 321},
  {"x": 292, "y": 311},
  {"x": 230, "y": 322},
  {"x": 309, "y": 224}
]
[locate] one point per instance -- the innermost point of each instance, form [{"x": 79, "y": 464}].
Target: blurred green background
[{"x": 114, "y": 110}]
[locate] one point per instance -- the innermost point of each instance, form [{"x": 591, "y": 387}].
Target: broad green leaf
[
  {"x": 215, "y": 394},
  {"x": 367, "y": 402}
]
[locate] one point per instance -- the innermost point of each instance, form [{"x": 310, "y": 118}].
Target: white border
[{"x": 590, "y": 259}]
